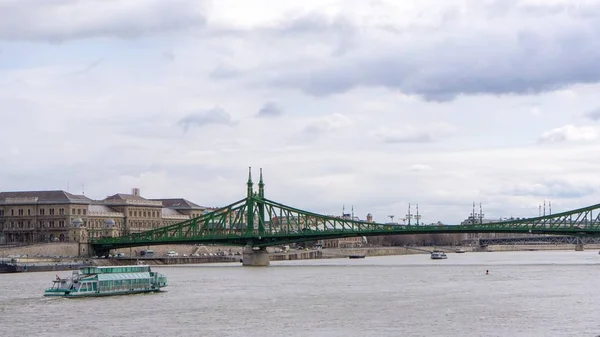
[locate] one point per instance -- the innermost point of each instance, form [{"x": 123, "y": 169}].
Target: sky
[{"x": 370, "y": 104}]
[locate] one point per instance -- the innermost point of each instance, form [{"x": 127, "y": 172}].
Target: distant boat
[
  {"x": 438, "y": 255},
  {"x": 356, "y": 256},
  {"x": 460, "y": 250}
]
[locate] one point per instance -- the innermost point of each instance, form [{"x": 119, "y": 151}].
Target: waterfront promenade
[{"x": 55, "y": 253}]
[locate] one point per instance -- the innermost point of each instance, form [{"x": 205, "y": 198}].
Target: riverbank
[{"x": 68, "y": 263}]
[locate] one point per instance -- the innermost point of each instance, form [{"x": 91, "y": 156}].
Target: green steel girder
[{"x": 261, "y": 222}]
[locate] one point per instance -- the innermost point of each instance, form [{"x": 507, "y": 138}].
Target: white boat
[
  {"x": 438, "y": 255},
  {"x": 108, "y": 280}
]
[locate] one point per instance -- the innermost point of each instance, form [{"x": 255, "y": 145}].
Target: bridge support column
[
  {"x": 579, "y": 244},
  {"x": 255, "y": 258}
]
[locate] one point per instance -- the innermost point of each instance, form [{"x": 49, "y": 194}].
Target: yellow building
[{"x": 47, "y": 216}]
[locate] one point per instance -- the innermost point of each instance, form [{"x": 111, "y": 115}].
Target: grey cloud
[
  {"x": 552, "y": 188},
  {"x": 440, "y": 65},
  {"x": 168, "y": 56},
  {"x": 593, "y": 114},
  {"x": 270, "y": 109},
  {"x": 411, "y": 134},
  {"x": 212, "y": 116},
  {"x": 89, "y": 67},
  {"x": 224, "y": 71},
  {"x": 54, "y": 20}
]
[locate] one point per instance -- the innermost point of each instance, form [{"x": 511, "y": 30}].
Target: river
[{"x": 525, "y": 294}]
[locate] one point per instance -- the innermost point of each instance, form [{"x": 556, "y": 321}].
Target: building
[{"x": 48, "y": 216}]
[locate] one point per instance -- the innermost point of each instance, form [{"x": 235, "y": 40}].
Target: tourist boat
[
  {"x": 356, "y": 256},
  {"x": 459, "y": 250},
  {"x": 438, "y": 255},
  {"x": 106, "y": 281}
]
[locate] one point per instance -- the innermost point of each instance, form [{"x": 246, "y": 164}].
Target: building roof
[
  {"x": 179, "y": 203},
  {"x": 103, "y": 210},
  {"x": 130, "y": 199},
  {"x": 124, "y": 196},
  {"x": 169, "y": 212},
  {"x": 46, "y": 197}
]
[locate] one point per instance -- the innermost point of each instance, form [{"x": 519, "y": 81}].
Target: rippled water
[{"x": 526, "y": 294}]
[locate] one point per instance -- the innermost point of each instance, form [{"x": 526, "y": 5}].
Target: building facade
[{"x": 48, "y": 216}]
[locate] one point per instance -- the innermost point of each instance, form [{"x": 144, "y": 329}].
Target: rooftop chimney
[{"x": 135, "y": 191}]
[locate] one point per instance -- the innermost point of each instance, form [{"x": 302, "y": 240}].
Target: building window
[
  {"x": 12, "y": 212},
  {"x": 78, "y": 212},
  {"x": 42, "y": 211},
  {"x": 84, "y": 211},
  {"x": 61, "y": 211},
  {"x": 61, "y": 224},
  {"x": 51, "y": 211},
  {"x": 29, "y": 211},
  {"x": 29, "y": 224},
  {"x": 1, "y": 212},
  {"x": 20, "y": 212},
  {"x": 51, "y": 224},
  {"x": 73, "y": 211}
]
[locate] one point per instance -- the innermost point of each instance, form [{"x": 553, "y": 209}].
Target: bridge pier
[{"x": 255, "y": 257}]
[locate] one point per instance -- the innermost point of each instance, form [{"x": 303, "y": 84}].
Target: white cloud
[
  {"x": 569, "y": 133},
  {"x": 327, "y": 123},
  {"x": 385, "y": 103}
]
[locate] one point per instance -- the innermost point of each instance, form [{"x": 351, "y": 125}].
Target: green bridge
[{"x": 256, "y": 222}]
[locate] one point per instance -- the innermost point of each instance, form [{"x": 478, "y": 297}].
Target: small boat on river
[
  {"x": 97, "y": 281},
  {"x": 438, "y": 255},
  {"x": 356, "y": 256}
]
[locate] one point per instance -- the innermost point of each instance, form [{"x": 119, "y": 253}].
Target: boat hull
[
  {"x": 67, "y": 294},
  {"x": 7, "y": 268}
]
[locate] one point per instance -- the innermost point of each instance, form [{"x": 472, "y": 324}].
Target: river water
[{"x": 525, "y": 294}]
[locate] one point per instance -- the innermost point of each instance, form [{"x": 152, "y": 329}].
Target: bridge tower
[
  {"x": 261, "y": 206},
  {"x": 250, "y": 203},
  {"x": 255, "y": 256}
]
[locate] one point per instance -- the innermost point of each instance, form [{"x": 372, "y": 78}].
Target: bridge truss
[{"x": 259, "y": 222}]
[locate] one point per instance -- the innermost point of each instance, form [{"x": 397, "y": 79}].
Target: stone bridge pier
[{"x": 255, "y": 256}]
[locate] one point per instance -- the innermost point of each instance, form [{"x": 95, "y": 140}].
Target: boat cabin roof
[
  {"x": 124, "y": 276},
  {"x": 115, "y": 269}
]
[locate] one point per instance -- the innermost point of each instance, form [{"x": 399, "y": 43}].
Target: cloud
[
  {"x": 213, "y": 116},
  {"x": 569, "y": 133},
  {"x": 89, "y": 67},
  {"x": 461, "y": 53},
  {"x": 78, "y": 19},
  {"x": 354, "y": 75},
  {"x": 593, "y": 114},
  {"x": 411, "y": 134},
  {"x": 328, "y": 123},
  {"x": 559, "y": 188},
  {"x": 270, "y": 109},
  {"x": 419, "y": 167},
  {"x": 224, "y": 71}
]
